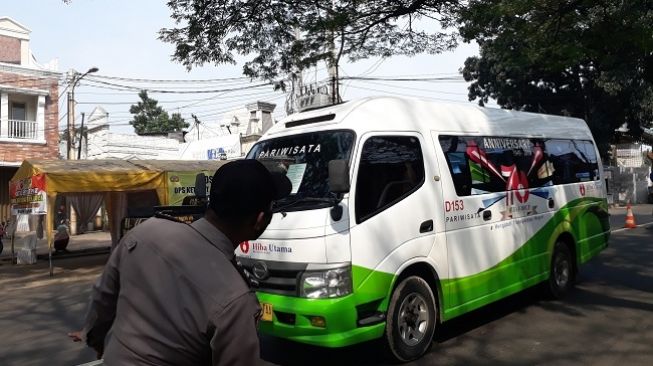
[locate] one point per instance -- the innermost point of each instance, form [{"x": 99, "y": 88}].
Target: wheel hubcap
[
  {"x": 561, "y": 271},
  {"x": 413, "y": 319}
]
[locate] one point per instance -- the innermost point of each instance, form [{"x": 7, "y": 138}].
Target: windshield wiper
[{"x": 331, "y": 201}]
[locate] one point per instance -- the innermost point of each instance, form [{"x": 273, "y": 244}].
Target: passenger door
[
  {"x": 392, "y": 210},
  {"x": 496, "y": 199}
]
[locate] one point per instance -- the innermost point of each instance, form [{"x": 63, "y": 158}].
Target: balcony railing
[{"x": 19, "y": 129}]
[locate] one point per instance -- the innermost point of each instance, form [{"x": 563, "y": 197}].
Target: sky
[{"x": 120, "y": 38}]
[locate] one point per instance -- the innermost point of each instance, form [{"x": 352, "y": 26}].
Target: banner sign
[
  {"x": 28, "y": 196},
  {"x": 182, "y": 184},
  {"x": 216, "y": 148}
]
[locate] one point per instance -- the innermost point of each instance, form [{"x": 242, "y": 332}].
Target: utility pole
[
  {"x": 333, "y": 68},
  {"x": 71, "y": 116},
  {"x": 297, "y": 81},
  {"x": 74, "y": 79},
  {"x": 81, "y": 134},
  {"x": 197, "y": 125}
]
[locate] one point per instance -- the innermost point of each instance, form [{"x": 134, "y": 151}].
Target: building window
[
  {"x": 19, "y": 127},
  {"x": 18, "y": 112}
]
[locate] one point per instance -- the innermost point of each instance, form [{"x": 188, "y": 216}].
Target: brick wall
[
  {"x": 9, "y": 50},
  {"x": 16, "y": 152}
]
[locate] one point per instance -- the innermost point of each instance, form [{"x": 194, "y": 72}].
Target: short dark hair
[{"x": 244, "y": 187}]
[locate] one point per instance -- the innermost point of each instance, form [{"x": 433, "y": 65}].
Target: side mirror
[
  {"x": 338, "y": 176},
  {"x": 200, "y": 185}
]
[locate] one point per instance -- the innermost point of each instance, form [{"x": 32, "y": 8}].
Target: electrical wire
[
  {"x": 233, "y": 106},
  {"x": 166, "y": 91},
  {"x": 125, "y": 122},
  {"x": 407, "y": 87},
  {"x": 169, "y": 81},
  {"x": 207, "y": 112},
  {"x": 404, "y": 94},
  {"x": 194, "y": 101},
  {"x": 439, "y": 78}
]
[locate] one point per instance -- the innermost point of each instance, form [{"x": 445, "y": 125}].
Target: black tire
[
  {"x": 561, "y": 275},
  {"x": 412, "y": 317}
]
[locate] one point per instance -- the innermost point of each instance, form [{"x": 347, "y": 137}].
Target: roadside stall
[{"x": 34, "y": 188}]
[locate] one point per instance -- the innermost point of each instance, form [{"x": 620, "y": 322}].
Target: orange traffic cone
[{"x": 630, "y": 218}]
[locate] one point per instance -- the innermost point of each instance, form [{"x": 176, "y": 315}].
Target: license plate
[{"x": 266, "y": 316}]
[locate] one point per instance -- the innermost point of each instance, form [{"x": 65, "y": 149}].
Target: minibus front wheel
[{"x": 412, "y": 317}]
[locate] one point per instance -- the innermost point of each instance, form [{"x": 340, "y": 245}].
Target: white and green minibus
[{"x": 407, "y": 213}]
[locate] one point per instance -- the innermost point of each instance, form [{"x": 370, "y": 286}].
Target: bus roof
[{"x": 413, "y": 114}]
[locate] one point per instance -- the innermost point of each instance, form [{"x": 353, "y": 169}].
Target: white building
[
  {"x": 249, "y": 122},
  {"x": 230, "y": 138},
  {"x": 100, "y": 143}
]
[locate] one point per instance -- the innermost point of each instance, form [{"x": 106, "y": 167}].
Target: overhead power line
[
  {"x": 421, "y": 75},
  {"x": 404, "y": 87},
  {"x": 438, "y": 78},
  {"x": 170, "y": 91},
  {"x": 214, "y": 113},
  {"x": 170, "y": 81},
  {"x": 405, "y": 94},
  {"x": 193, "y": 101}
]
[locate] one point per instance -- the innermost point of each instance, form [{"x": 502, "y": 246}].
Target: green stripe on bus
[{"x": 584, "y": 218}]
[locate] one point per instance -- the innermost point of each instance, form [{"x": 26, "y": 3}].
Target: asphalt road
[{"x": 607, "y": 320}]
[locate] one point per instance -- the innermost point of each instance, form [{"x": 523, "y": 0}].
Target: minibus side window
[
  {"x": 488, "y": 164},
  {"x": 391, "y": 168},
  {"x": 573, "y": 161},
  {"x": 591, "y": 161}
]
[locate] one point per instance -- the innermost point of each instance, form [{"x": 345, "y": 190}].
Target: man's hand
[{"x": 76, "y": 336}]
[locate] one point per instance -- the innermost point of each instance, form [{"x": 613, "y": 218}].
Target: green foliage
[
  {"x": 151, "y": 118},
  {"x": 582, "y": 58},
  {"x": 288, "y": 36}
]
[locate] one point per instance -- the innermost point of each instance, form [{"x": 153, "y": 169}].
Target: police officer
[{"x": 171, "y": 293}]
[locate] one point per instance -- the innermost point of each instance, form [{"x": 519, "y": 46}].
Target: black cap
[{"x": 243, "y": 187}]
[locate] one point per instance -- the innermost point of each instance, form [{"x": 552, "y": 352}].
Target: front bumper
[{"x": 291, "y": 320}]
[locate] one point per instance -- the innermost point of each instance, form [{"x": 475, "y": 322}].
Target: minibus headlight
[{"x": 328, "y": 283}]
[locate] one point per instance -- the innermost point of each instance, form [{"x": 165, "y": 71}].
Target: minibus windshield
[{"x": 304, "y": 158}]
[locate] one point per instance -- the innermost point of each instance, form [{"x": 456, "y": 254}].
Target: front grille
[
  {"x": 282, "y": 279},
  {"x": 286, "y": 318}
]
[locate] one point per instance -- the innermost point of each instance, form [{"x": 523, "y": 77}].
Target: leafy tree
[
  {"x": 288, "y": 36},
  {"x": 151, "y": 118},
  {"x": 582, "y": 58}
]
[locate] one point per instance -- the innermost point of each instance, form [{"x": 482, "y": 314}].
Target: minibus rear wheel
[
  {"x": 561, "y": 277},
  {"x": 412, "y": 317}
]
